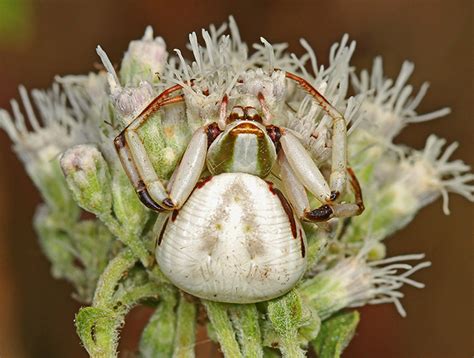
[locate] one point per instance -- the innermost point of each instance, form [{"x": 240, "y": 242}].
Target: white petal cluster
[
  {"x": 354, "y": 281},
  {"x": 389, "y": 105},
  {"x": 48, "y": 127},
  {"x": 428, "y": 174}
]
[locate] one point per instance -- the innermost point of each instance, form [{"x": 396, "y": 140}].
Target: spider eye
[
  {"x": 252, "y": 114},
  {"x": 237, "y": 113}
]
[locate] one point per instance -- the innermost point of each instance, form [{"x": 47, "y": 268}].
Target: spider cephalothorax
[{"x": 234, "y": 236}]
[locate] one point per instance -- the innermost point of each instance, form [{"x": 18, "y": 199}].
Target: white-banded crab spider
[{"x": 233, "y": 236}]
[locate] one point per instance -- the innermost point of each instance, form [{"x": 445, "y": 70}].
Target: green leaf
[
  {"x": 286, "y": 315},
  {"x": 97, "y": 328},
  {"x": 157, "y": 338},
  {"x": 336, "y": 333}
]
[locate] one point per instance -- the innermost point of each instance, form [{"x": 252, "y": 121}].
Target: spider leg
[
  {"x": 294, "y": 184},
  {"x": 223, "y": 112},
  {"x": 139, "y": 168},
  {"x": 304, "y": 168},
  {"x": 337, "y": 179},
  {"x": 267, "y": 117}
]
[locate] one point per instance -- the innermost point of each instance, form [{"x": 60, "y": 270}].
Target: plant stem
[
  {"x": 131, "y": 240},
  {"x": 217, "y": 313},
  {"x": 185, "y": 329},
  {"x": 245, "y": 321},
  {"x": 110, "y": 277}
]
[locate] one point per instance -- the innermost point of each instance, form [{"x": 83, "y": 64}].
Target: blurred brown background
[{"x": 39, "y": 39}]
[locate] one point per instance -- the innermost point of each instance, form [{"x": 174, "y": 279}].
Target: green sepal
[
  {"x": 164, "y": 144},
  {"x": 49, "y": 179},
  {"x": 88, "y": 177},
  {"x": 78, "y": 252}
]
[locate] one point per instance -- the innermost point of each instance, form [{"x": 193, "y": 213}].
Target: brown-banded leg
[
  {"x": 337, "y": 179},
  {"x": 149, "y": 187},
  {"x": 223, "y": 112},
  {"x": 125, "y": 151},
  {"x": 139, "y": 168},
  {"x": 340, "y": 210},
  {"x": 297, "y": 196}
]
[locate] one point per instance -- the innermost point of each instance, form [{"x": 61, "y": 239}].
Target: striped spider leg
[
  {"x": 139, "y": 168},
  {"x": 295, "y": 190},
  {"x": 299, "y": 171}
]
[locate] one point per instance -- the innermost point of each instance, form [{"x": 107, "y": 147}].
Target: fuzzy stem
[
  {"x": 110, "y": 277},
  {"x": 136, "y": 293},
  {"x": 245, "y": 320},
  {"x": 185, "y": 329},
  {"x": 131, "y": 240},
  {"x": 98, "y": 325},
  {"x": 222, "y": 325}
]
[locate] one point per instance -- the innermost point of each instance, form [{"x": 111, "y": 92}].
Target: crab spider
[
  {"x": 297, "y": 165},
  {"x": 228, "y": 222}
]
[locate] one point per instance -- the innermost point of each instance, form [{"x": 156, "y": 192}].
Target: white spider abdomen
[{"x": 235, "y": 240}]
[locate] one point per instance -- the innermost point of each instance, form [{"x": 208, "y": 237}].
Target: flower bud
[
  {"x": 130, "y": 101},
  {"x": 48, "y": 178},
  {"x": 354, "y": 282},
  {"x": 144, "y": 60},
  {"x": 87, "y": 176}
]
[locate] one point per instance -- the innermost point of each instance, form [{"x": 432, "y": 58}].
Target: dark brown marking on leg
[
  {"x": 287, "y": 207},
  {"x": 157, "y": 101},
  {"x": 274, "y": 133},
  {"x": 212, "y": 132},
  {"x": 270, "y": 187},
  {"x": 334, "y": 195},
  {"x": 203, "y": 182},
  {"x": 174, "y": 215},
  {"x": 357, "y": 190},
  {"x": 162, "y": 232},
  {"x": 168, "y": 203},
  {"x": 119, "y": 141},
  {"x": 303, "y": 248},
  {"x": 323, "y": 102},
  {"x": 146, "y": 199},
  {"x": 323, "y": 213}
]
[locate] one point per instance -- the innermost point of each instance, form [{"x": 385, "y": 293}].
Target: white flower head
[
  {"x": 354, "y": 282},
  {"x": 47, "y": 130},
  {"x": 130, "y": 100},
  {"x": 389, "y": 105},
  {"x": 309, "y": 120},
  {"x": 428, "y": 174}
]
